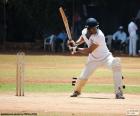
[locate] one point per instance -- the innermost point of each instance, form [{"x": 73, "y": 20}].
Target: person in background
[
  {"x": 120, "y": 39},
  {"x": 61, "y": 39},
  {"x": 132, "y": 30}
]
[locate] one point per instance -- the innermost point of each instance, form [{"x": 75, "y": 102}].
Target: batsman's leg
[
  {"x": 79, "y": 85},
  {"x": 81, "y": 81},
  {"x": 117, "y": 75}
]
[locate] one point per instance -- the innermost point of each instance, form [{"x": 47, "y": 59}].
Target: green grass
[
  {"x": 39, "y": 68},
  {"x": 89, "y": 88}
]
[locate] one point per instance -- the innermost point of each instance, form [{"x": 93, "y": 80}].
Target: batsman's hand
[
  {"x": 71, "y": 43},
  {"x": 73, "y": 49}
]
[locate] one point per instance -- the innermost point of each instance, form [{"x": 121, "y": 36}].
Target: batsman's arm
[
  {"x": 87, "y": 50},
  {"x": 80, "y": 41}
]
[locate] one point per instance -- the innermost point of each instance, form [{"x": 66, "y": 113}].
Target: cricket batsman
[{"x": 98, "y": 55}]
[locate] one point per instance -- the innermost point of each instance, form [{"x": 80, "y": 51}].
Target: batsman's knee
[
  {"x": 116, "y": 64},
  {"x": 83, "y": 78}
]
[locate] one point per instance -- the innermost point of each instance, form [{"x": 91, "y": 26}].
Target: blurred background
[{"x": 30, "y": 24}]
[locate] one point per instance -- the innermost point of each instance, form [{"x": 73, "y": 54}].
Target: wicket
[{"x": 20, "y": 74}]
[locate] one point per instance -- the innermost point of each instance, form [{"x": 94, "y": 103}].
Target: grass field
[
  {"x": 53, "y": 73},
  {"x": 61, "y": 87},
  {"x": 48, "y": 86}
]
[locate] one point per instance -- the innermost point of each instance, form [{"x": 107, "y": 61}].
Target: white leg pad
[
  {"x": 117, "y": 74},
  {"x": 79, "y": 85}
]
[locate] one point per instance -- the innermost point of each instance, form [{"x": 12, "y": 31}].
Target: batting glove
[
  {"x": 71, "y": 43},
  {"x": 73, "y": 49}
]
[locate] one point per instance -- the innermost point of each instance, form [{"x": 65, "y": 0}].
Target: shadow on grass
[{"x": 96, "y": 97}]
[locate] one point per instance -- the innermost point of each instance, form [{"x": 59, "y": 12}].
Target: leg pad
[{"x": 74, "y": 81}]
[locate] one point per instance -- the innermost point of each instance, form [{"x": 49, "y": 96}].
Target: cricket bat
[{"x": 66, "y": 24}]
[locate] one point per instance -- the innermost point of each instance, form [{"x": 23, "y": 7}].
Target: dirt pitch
[{"x": 60, "y": 104}]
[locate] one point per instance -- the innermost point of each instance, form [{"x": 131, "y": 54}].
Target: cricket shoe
[
  {"x": 75, "y": 94},
  {"x": 119, "y": 96}
]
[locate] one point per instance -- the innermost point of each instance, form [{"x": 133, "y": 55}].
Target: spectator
[
  {"x": 60, "y": 41},
  {"x": 120, "y": 39},
  {"x": 132, "y": 30},
  {"x": 138, "y": 34}
]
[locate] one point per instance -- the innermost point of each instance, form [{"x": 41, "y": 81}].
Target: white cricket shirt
[
  {"x": 132, "y": 28},
  {"x": 101, "y": 52}
]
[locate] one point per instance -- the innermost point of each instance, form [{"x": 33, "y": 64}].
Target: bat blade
[{"x": 65, "y": 21}]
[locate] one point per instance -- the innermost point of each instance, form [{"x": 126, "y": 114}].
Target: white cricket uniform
[
  {"x": 99, "y": 57},
  {"x": 132, "y": 28}
]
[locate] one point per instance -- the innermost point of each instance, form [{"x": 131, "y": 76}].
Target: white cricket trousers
[
  {"x": 111, "y": 63},
  {"x": 133, "y": 45}
]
